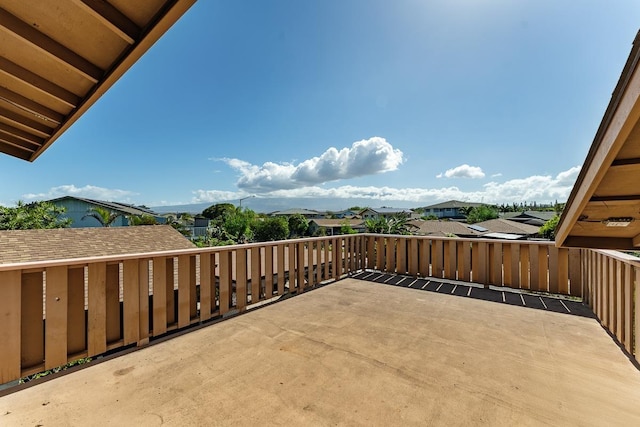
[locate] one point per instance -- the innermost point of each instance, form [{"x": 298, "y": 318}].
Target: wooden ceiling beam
[
  {"x": 622, "y": 162},
  {"x": 619, "y": 243},
  {"x": 36, "y": 127},
  {"x": 50, "y": 47},
  {"x": 31, "y": 106},
  {"x": 38, "y": 83},
  {"x": 10, "y": 139},
  {"x": 112, "y": 18},
  {"x": 636, "y": 241},
  {"x": 625, "y": 198},
  {"x": 23, "y": 135},
  {"x": 15, "y": 151}
]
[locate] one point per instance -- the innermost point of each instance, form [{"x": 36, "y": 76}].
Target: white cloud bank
[
  {"x": 463, "y": 171},
  {"x": 540, "y": 188},
  {"x": 88, "y": 191},
  {"x": 367, "y": 157}
]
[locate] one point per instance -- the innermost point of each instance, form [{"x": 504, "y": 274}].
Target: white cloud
[
  {"x": 540, "y": 188},
  {"x": 367, "y": 157},
  {"x": 463, "y": 171},
  {"x": 215, "y": 196},
  {"x": 496, "y": 175},
  {"x": 88, "y": 191}
]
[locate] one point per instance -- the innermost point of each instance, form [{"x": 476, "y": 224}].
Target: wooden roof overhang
[
  {"x": 603, "y": 210},
  {"x": 58, "y": 57}
]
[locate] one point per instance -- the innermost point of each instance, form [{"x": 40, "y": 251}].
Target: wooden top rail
[
  {"x": 464, "y": 239},
  {"x": 143, "y": 255},
  {"x": 620, "y": 256},
  {"x": 195, "y": 251}
]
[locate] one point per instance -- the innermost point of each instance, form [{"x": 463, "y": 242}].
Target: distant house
[
  {"x": 346, "y": 213},
  {"x": 333, "y": 227},
  {"x": 537, "y": 218},
  {"x": 63, "y": 243},
  {"x": 309, "y": 214},
  {"x": 452, "y": 209},
  {"x": 443, "y": 229},
  {"x": 77, "y": 208},
  {"x": 386, "y": 212},
  {"x": 507, "y": 227}
]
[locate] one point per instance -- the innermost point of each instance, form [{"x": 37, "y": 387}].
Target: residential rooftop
[{"x": 66, "y": 243}]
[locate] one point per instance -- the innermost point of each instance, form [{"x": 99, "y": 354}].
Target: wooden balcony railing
[
  {"x": 61, "y": 310},
  {"x": 528, "y": 265},
  {"x": 612, "y": 282}
]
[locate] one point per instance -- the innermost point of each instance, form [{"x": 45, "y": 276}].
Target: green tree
[
  {"x": 465, "y": 210},
  {"x": 298, "y": 225},
  {"x": 238, "y": 225},
  {"x": 36, "y": 215},
  {"x": 396, "y": 224},
  {"x": 179, "y": 225},
  {"x": 376, "y": 225},
  {"x": 105, "y": 217},
  {"x": 144, "y": 219},
  {"x": 548, "y": 230},
  {"x": 482, "y": 213},
  {"x": 345, "y": 228},
  {"x": 270, "y": 229},
  {"x": 219, "y": 212}
]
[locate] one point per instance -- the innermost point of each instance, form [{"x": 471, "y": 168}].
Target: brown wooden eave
[{"x": 58, "y": 57}]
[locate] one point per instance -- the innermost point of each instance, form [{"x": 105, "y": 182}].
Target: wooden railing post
[{"x": 10, "y": 335}]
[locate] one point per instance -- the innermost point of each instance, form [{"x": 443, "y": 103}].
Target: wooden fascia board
[
  {"x": 624, "y": 119},
  {"x": 176, "y": 10}
]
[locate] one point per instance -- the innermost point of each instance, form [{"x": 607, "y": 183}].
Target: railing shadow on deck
[{"x": 62, "y": 310}]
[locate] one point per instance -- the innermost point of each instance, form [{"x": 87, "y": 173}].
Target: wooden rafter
[
  {"x": 20, "y": 153},
  {"x": 17, "y": 142},
  {"x": 38, "y": 83},
  {"x": 50, "y": 47},
  {"x": 33, "y": 126},
  {"x": 20, "y": 134},
  {"x": 30, "y": 106},
  {"x": 112, "y": 18},
  {"x": 59, "y": 58}
]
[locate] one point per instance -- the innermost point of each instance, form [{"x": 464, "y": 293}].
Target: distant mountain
[{"x": 277, "y": 204}]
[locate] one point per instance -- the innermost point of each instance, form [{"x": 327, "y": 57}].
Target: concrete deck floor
[{"x": 356, "y": 353}]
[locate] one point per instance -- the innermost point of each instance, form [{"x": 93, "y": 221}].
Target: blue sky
[{"x": 412, "y": 101}]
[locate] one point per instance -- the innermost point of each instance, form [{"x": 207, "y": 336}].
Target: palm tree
[
  {"x": 397, "y": 224},
  {"x": 105, "y": 217}
]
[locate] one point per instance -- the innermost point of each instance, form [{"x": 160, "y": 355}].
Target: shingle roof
[
  {"x": 62, "y": 243},
  {"x": 507, "y": 226},
  {"x": 296, "y": 211},
  {"x": 386, "y": 210},
  {"x": 543, "y": 215},
  {"x": 452, "y": 204},
  {"x": 115, "y": 206},
  {"x": 443, "y": 228},
  {"x": 338, "y": 222}
]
